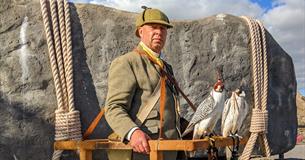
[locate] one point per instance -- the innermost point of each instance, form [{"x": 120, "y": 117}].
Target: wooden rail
[{"x": 156, "y": 146}]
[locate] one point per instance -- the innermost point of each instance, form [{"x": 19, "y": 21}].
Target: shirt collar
[{"x": 151, "y": 51}]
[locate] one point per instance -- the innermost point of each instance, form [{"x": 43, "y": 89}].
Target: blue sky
[
  {"x": 266, "y": 4},
  {"x": 284, "y": 19},
  {"x": 302, "y": 91}
]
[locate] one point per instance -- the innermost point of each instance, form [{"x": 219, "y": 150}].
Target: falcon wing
[
  {"x": 244, "y": 110},
  {"x": 203, "y": 110},
  {"x": 225, "y": 112}
]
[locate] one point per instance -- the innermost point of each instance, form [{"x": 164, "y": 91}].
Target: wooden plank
[
  {"x": 65, "y": 145},
  {"x": 228, "y": 141},
  {"x": 183, "y": 145},
  {"x": 164, "y": 145},
  {"x": 88, "y": 145},
  {"x": 169, "y": 145},
  {"x": 113, "y": 145},
  {"x": 85, "y": 154},
  {"x": 191, "y": 145},
  {"x": 200, "y": 144},
  {"x": 263, "y": 158},
  {"x": 74, "y": 145}
]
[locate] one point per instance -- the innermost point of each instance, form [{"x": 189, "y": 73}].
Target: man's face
[{"x": 153, "y": 36}]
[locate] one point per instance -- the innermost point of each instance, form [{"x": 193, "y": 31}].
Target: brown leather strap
[
  {"x": 162, "y": 103},
  {"x": 164, "y": 76},
  {"x": 93, "y": 124},
  {"x": 170, "y": 78},
  {"x": 141, "y": 116},
  {"x": 174, "y": 82},
  {"x": 163, "y": 89}
]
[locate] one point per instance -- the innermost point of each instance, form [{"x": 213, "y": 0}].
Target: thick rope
[
  {"x": 265, "y": 91},
  {"x": 69, "y": 58},
  {"x": 59, "y": 55},
  {"x": 63, "y": 41},
  {"x": 52, "y": 55},
  {"x": 259, "y": 119},
  {"x": 67, "y": 119}
]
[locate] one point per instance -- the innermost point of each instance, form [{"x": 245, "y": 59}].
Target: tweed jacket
[{"x": 131, "y": 81}]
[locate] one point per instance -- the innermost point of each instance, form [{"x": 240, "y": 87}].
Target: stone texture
[{"x": 196, "y": 49}]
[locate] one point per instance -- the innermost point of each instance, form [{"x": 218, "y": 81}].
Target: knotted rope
[
  {"x": 259, "y": 120},
  {"x": 58, "y": 33}
]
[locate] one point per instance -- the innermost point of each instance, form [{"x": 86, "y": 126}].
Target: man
[{"x": 133, "y": 79}]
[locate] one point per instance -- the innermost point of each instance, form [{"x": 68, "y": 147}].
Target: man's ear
[{"x": 140, "y": 31}]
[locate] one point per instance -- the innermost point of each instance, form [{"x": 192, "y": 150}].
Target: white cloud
[
  {"x": 80, "y": 1},
  {"x": 185, "y": 9},
  {"x": 285, "y": 21}
]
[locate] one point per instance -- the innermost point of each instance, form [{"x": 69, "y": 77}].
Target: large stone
[{"x": 196, "y": 49}]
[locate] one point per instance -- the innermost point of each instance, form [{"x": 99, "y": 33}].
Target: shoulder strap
[
  {"x": 174, "y": 82},
  {"x": 141, "y": 116},
  {"x": 151, "y": 102},
  {"x": 93, "y": 124},
  {"x": 171, "y": 79}
]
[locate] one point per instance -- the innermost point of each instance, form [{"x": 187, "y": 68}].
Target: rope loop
[
  {"x": 61, "y": 128},
  {"x": 56, "y": 18},
  {"x": 259, "y": 121}
]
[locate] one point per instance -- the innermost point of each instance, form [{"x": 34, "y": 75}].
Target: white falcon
[
  {"x": 207, "y": 113},
  {"x": 234, "y": 113}
]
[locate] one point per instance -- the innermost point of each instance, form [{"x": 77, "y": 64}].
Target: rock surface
[{"x": 196, "y": 49}]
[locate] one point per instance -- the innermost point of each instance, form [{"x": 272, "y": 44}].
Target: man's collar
[{"x": 151, "y": 51}]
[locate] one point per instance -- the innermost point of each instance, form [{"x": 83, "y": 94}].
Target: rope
[
  {"x": 69, "y": 57},
  {"x": 58, "y": 33},
  {"x": 63, "y": 41},
  {"x": 52, "y": 57},
  {"x": 58, "y": 51},
  {"x": 259, "y": 119}
]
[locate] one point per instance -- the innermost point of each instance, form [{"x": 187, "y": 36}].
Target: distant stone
[{"x": 196, "y": 49}]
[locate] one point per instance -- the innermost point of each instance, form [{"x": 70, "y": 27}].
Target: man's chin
[
  {"x": 156, "y": 49},
  {"x": 158, "y": 45}
]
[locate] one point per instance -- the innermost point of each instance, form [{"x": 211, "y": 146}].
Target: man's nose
[{"x": 158, "y": 31}]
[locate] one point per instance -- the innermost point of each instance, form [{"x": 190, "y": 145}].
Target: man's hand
[{"x": 139, "y": 142}]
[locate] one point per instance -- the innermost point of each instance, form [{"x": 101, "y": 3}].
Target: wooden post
[
  {"x": 155, "y": 152},
  {"x": 156, "y": 155},
  {"x": 85, "y": 154}
]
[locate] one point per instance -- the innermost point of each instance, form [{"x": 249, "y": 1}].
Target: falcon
[
  {"x": 207, "y": 113},
  {"x": 234, "y": 113}
]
